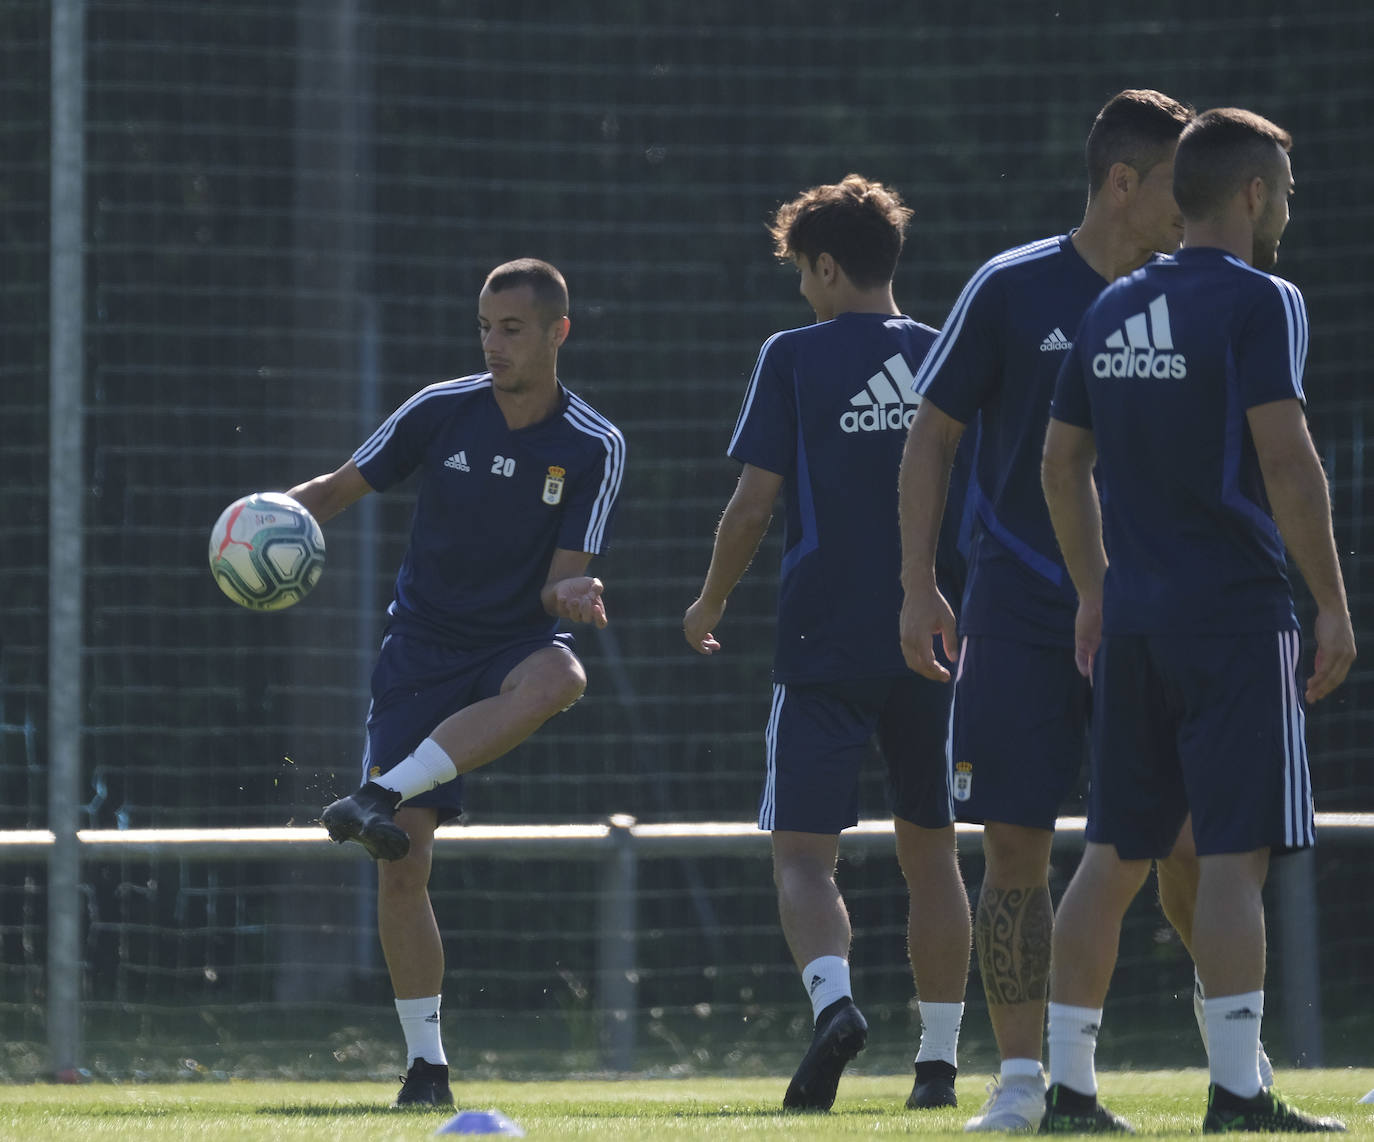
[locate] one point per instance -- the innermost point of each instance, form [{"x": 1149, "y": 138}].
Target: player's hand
[
  {"x": 697, "y": 623},
  {"x": 579, "y": 600},
  {"x": 926, "y": 613},
  {"x": 1335, "y": 654},
  {"x": 1087, "y": 634}
]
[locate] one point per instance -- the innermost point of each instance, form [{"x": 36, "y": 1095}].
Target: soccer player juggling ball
[
  {"x": 823, "y": 424},
  {"x": 518, "y": 479},
  {"x": 1184, "y": 388}
]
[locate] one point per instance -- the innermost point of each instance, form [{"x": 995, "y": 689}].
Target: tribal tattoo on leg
[{"x": 1013, "y": 933}]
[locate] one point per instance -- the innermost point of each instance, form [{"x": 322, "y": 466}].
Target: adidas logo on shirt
[
  {"x": 1056, "y": 342},
  {"x": 1142, "y": 348},
  {"x": 458, "y": 462},
  {"x": 885, "y": 401}
]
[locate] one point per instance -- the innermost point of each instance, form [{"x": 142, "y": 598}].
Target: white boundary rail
[{"x": 620, "y": 844}]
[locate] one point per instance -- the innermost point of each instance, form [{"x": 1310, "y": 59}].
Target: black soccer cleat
[
  {"x": 934, "y": 1086},
  {"x": 841, "y": 1032},
  {"x": 1266, "y": 1113},
  {"x": 367, "y": 817},
  {"x": 425, "y": 1084},
  {"x": 1069, "y": 1112}
]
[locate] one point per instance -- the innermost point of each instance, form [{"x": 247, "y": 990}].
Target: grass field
[{"x": 1157, "y": 1102}]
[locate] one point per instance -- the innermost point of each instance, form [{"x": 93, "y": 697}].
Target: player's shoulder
[
  {"x": 846, "y": 328},
  {"x": 1262, "y": 282},
  {"x": 584, "y": 420},
  {"x": 1008, "y": 278},
  {"x": 439, "y": 400},
  {"x": 1217, "y": 270},
  {"x": 457, "y": 389},
  {"x": 787, "y": 340},
  {"x": 473, "y": 382},
  {"x": 1024, "y": 260}
]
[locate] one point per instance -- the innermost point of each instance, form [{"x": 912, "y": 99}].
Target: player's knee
[
  {"x": 407, "y": 876},
  {"x": 796, "y": 871},
  {"x": 925, "y": 854},
  {"x": 1016, "y": 854},
  {"x": 566, "y": 685},
  {"x": 562, "y": 683},
  {"x": 551, "y": 682}
]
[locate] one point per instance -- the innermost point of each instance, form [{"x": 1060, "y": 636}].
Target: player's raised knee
[{"x": 551, "y": 679}]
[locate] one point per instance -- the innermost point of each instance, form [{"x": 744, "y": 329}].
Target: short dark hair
[
  {"x": 1219, "y": 153},
  {"x": 1137, "y": 127},
  {"x": 549, "y": 288},
  {"x": 858, "y": 222}
]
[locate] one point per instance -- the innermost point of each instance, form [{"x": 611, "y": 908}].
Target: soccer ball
[{"x": 266, "y": 551}]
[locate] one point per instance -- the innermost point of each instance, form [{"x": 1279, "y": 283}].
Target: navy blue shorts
[
  {"x": 819, "y": 737},
  {"x": 1018, "y": 731},
  {"x": 1208, "y": 723},
  {"x": 416, "y": 685}
]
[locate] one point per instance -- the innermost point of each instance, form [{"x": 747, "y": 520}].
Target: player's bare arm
[
  {"x": 326, "y": 496},
  {"x": 923, "y": 486},
  {"x": 570, "y": 593},
  {"x": 742, "y": 528},
  {"x": 1296, "y": 486},
  {"x": 1066, "y": 474}
]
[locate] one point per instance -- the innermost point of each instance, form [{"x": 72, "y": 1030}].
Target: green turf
[{"x": 1157, "y": 1102}]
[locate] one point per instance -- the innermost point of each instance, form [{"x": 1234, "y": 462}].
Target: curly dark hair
[{"x": 858, "y": 222}]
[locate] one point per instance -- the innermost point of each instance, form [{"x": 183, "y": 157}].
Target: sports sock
[
  {"x": 1072, "y": 1040},
  {"x": 425, "y": 769},
  {"x": 1266, "y": 1066},
  {"x": 420, "y": 1024},
  {"x": 826, "y": 979},
  {"x": 1013, "y": 1069},
  {"x": 1233, "y": 1031},
  {"x": 940, "y": 1032}
]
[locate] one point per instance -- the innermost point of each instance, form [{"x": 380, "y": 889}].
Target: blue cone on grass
[{"x": 481, "y": 1122}]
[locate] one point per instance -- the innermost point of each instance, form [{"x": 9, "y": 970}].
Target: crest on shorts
[
  {"x": 553, "y": 485},
  {"x": 963, "y": 780}
]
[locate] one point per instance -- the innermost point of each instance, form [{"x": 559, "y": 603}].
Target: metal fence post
[
  {"x": 617, "y": 968},
  {"x": 1295, "y": 892},
  {"x": 66, "y": 487}
]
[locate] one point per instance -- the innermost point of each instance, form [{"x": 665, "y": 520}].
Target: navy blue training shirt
[
  {"x": 997, "y": 359},
  {"x": 827, "y": 408},
  {"x": 1162, "y": 371},
  {"x": 493, "y": 505}
]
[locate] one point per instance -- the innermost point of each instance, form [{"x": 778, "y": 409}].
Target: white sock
[
  {"x": 1072, "y": 1039},
  {"x": 420, "y": 1024},
  {"x": 826, "y": 979},
  {"x": 425, "y": 769},
  {"x": 940, "y": 1032},
  {"x": 1266, "y": 1067},
  {"x": 1019, "y": 1069},
  {"x": 1233, "y": 1031}
]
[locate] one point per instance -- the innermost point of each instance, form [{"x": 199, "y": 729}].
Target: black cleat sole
[{"x": 383, "y": 839}]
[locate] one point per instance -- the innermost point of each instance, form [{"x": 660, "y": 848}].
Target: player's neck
[
  {"x": 1234, "y": 235},
  {"x": 852, "y": 300},
  {"x": 1108, "y": 247},
  {"x": 527, "y": 404}
]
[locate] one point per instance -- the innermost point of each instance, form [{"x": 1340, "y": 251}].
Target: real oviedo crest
[{"x": 553, "y": 485}]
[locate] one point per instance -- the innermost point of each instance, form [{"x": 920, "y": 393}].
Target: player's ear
[
  {"x": 1256, "y": 198},
  {"x": 826, "y": 268},
  {"x": 1122, "y": 179},
  {"x": 561, "y": 328}
]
